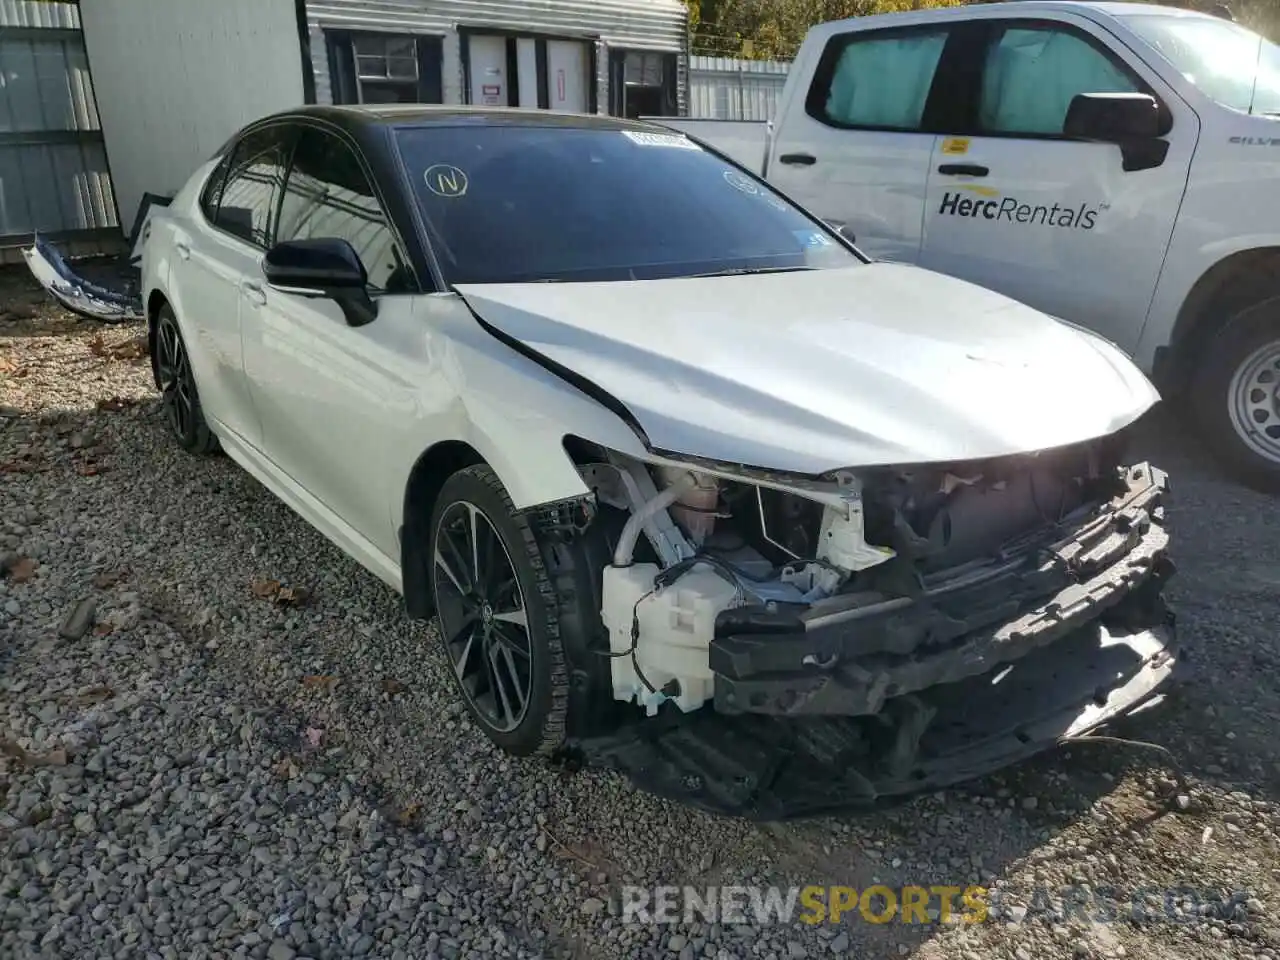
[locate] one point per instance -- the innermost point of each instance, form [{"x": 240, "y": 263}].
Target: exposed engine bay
[{"x": 849, "y": 613}]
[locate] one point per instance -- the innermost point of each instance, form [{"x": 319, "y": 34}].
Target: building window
[
  {"x": 384, "y": 68},
  {"x": 642, "y": 84}
]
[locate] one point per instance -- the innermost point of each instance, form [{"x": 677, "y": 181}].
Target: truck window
[
  {"x": 878, "y": 80},
  {"x": 1031, "y": 74},
  {"x": 1232, "y": 65}
]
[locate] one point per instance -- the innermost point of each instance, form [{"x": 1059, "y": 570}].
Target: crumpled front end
[{"x": 798, "y": 646}]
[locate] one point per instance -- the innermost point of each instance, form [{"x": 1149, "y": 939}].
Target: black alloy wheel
[
  {"x": 497, "y": 615},
  {"x": 486, "y": 625},
  {"x": 180, "y": 398}
]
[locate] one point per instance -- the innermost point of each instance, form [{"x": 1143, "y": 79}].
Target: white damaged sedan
[{"x": 695, "y": 489}]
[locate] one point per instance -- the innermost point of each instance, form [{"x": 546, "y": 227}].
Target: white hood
[{"x": 816, "y": 370}]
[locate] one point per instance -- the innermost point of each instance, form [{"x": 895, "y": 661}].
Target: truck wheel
[
  {"x": 498, "y": 615},
  {"x": 1235, "y": 394}
]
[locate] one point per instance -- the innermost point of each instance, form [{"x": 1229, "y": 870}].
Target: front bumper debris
[
  {"x": 78, "y": 295},
  {"x": 837, "y": 659},
  {"x": 834, "y": 706},
  {"x": 774, "y": 768}
]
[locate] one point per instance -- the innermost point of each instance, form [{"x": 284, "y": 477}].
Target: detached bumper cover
[
  {"x": 78, "y": 295},
  {"x": 829, "y": 708}
]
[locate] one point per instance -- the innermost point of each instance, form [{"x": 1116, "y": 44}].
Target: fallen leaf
[
  {"x": 54, "y": 758},
  {"x": 102, "y": 629},
  {"x": 22, "y": 569},
  {"x": 319, "y": 681},
  {"x": 292, "y": 596},
  {"x": 314, "y": 736},
  {"x": 265, "y": 589},
  {"x": 109, "y": 578},
  {"x": 98, "y": 345},
  {"x": 409, "y": 814},
  {"x": 392, "y": 686},
  {"x": 87, "y": 469},
  {"x": 94, "y": 695},
  {"x": 287, "y": 769},
  {"x": 115, "y": 404},
  {"x": 7, "y": 365},
  {"x": 130, "y": 350}
]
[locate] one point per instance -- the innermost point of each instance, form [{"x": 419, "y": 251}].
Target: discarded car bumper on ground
[{"x": 77, "y": 294}]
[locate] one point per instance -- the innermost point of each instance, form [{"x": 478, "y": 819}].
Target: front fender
[{"x": 512, "y": 411}]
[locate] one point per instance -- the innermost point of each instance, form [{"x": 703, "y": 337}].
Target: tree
[{"x": 773, "y": 29}]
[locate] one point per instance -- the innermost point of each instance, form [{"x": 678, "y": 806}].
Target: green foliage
[{"x": 773, "y": 29}]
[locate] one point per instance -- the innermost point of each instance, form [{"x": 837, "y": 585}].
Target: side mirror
[
  {"x": 326, "y": 268},
  {"x": 1130, "y": 120}
]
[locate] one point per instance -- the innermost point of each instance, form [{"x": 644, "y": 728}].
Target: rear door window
[{"x": 253, "y": 182}]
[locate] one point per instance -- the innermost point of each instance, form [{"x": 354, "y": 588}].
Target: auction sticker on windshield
[{"x": 660, "y": 140}]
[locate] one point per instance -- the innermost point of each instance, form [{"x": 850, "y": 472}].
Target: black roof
[{"x": 358, "y": 119}]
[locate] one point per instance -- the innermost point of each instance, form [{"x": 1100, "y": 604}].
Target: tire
[
  {"x": 180, "y": 398},
  {"x": 1235, "y": 395},
  {"x": 515, "y": 687}
]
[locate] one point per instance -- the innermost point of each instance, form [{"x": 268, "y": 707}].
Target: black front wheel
[
  {"x": 498, "y": 615},
  {"x": 180, "y": 399}
]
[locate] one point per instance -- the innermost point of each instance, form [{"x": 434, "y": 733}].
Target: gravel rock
[{"x": 208, "y": 792}]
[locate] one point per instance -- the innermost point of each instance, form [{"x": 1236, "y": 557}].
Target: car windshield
[
  {"x": 515, "y": 203},
  {"x": 1231, "y": 64}
]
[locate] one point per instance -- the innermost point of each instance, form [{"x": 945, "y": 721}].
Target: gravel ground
[{"x": 250, "y": 752}]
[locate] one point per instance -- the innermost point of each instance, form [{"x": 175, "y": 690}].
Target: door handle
[
  {"x": 963, "y": 170},
  {"x": 254, "y": 292},
  {"x": 182, "y": 250},
  {"x": 798, "y": 159}
]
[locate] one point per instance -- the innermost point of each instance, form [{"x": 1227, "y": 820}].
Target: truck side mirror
[
  {"x": 842, "y": 228},
  {"x": 1130, "y": 120}
]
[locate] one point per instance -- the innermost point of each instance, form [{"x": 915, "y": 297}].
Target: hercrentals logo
[{"x": 1013, "y": 210}]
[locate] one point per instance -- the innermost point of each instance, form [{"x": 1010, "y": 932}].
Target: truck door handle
[
  {"x": 798, "y": 159},
  {"x": 963, "y": 170},
  {"x": 254, "y": 292},
  {"x": 182, "y": 250}
]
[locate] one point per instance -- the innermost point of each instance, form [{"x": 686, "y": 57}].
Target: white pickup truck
[{"x": 1116, "y": 165}]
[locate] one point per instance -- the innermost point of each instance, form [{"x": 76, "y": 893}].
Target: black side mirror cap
[
  {"x": 1133, "y": 121},
  {"x": 328, "y": 268}
]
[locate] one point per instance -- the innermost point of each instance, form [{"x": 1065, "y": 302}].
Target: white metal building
[
  {"x": 625, "y": 57},
  {"x": 173, "y": 79}
]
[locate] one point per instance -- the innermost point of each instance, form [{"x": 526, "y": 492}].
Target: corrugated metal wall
[
  {"x": 724, "y": 89},
  {"x": 630, "y": 24},
  {"x": 53, "y": 168}
]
